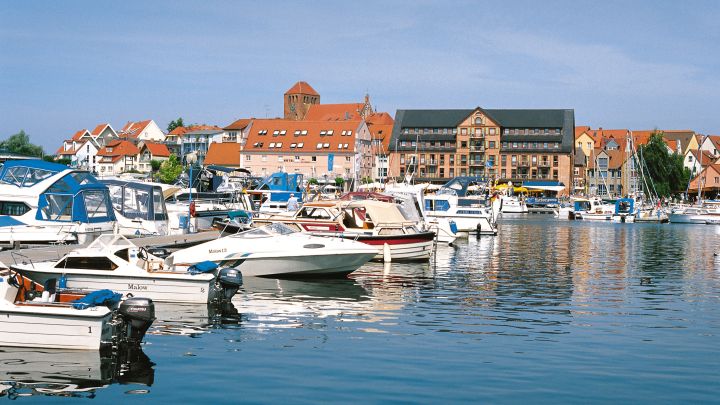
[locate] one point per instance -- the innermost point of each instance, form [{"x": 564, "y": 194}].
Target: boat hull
[
  {"x": 46, "y": 327},
  {"x": 155, "y": 287},
  {"x": 300, "y": 266},
  {"x": 417, "y": 247}
]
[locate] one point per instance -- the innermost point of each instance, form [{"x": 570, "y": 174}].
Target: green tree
[
  {"x": 174, "y": 124},
  {"x": 313, "y": 181},
  {"x": 20, "y": 144},
  {"x": 665, "y": 169},
  {"x": 339, "y": 181},
  {"x": 170, "y": 170}
]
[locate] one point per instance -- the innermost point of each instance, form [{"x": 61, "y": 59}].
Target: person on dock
[{"x": 292, "y": 203}]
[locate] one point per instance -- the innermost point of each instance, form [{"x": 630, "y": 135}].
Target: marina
[{"x": 617, "y": 310}]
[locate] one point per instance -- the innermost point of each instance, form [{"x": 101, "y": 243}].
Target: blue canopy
[
  {"x": 77, "y": 196},
  {"x": 95, "y": 298},
  {"x": 203, "y": 267}
]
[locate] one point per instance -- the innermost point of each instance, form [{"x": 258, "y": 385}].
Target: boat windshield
[{"x": 265, "y": 231}]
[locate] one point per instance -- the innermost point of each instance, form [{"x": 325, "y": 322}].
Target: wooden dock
[{"x": 55, "y": 252}]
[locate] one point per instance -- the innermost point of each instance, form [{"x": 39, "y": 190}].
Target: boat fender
[
  {"x": 387, "y": 257},
  {"x": 62, "y": 283},
  {"x": 453, "y": 227},
  {"x": 192, "y": 209}
]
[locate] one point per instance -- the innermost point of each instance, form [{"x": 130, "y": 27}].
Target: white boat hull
[
  {"x": 288, "y": 266},
  {"x": 47, "y": 327},
  {"x": 469, "y": 223},
  {"x": 160, "y": 287}
]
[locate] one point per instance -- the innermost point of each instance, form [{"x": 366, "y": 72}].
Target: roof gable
[{"x": 302, "y": 88}]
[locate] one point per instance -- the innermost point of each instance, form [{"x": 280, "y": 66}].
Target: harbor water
[{"x": 547, "y": 311}]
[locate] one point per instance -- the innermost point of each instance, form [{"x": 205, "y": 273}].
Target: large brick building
[{"x": 502, "y": 145}]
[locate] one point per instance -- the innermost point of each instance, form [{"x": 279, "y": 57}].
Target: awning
[{"x": 544, "y": 185}]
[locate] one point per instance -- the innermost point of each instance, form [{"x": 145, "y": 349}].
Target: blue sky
[{"x": 68, "y": 65}]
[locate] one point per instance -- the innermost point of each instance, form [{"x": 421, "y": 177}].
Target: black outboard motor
[
  {"x": 137, "y": 315},
  {"x": 228, "y": 281}
]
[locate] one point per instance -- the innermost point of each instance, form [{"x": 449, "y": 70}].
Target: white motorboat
[
  {"x": 33, "y": 316},
  {"x": 45, "y": 202},
  {"x": 592, "y": 210},
  {"x": 376, "y": 223},
  {"x": 513, "y": 205},
  {"x": 191, "y": 211},
  {"x": 115, "y": 263},
  {"x": 276, "y": 250},
  {"x": 139, "y": 208},
  {"x": 453, "y": 202}
]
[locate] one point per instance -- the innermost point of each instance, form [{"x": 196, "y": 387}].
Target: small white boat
[
  {"x": 115, "y": 263},
  {"x": 32, "y": 316},
  {"x": 513, "y": 205},
  {"x": 276, "y": 250},
  {"x": 139, "y": 208}
]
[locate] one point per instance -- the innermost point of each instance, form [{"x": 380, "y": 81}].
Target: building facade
[{"x": 500, "y": 145}]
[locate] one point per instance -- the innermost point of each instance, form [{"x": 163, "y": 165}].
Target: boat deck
[{"x": 55, "y": 252}]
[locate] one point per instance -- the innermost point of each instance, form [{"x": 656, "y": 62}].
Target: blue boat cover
[
  {"x": 202, "y": 267},
  {"x": 95, "y": 298}
]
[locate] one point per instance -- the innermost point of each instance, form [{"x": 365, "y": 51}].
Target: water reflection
[
  {"x": 193, "y": 319},
  {"x": 70, "y": 373},
  {"x": 281, "y": 303}
]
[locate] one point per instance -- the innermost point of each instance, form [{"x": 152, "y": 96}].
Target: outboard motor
[
  {"x": 137, "y": 315},
  {"x": 228, "y": 281}
]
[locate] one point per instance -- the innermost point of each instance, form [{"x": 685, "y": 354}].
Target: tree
[
  {"x": 155, "y": 165},
  {"x": 313, "y": 181},
  {"x": 174, "y": 124},
  {"x": 170, "y": 170},
  {"x": 20, "y": 144},
  {"x": 339, "y": 181},
  {"x": 666, "y": 170}
]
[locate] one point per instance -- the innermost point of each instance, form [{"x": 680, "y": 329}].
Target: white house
[{"x": 142, "y": 131}]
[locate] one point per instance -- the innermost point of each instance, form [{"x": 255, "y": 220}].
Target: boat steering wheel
[{"x": 143, "y": 253}]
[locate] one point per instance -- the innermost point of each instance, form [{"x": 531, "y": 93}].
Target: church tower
[{"x": 298, "y": 101}]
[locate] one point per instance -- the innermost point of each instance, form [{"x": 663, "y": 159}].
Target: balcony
[
  {"x": 477, "y": 148},
  {"x": 477, "y": 162},
  {"x": 524, "y": 163},
  {"x": 477, "y": 135},
  {"x": 544, "y": 164},
  {"x": 432, "y": 162}
]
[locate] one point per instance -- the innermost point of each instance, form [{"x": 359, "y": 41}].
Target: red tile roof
[
  {"x": 302, "y": 88},
  {"x": 708, "y": 174},
  {"x": 157, "y": 149},
  {"x": 707, "y": 157},
  {"x": 180, "y": 131},
  {"x": 334, "y": 112},
  {"x": 580, "y": 130},
  {"x": 119, "y": 148},
  {"x": 98, "y": 129},
  {"x": 223, "y": 154},
  {"x": 79, "y": 134},
  {"x": 133, "y": 129},
  {"x": 238, "y": 125},
  {"x": 381, "y": 118},
  {"x": 309, "y": 135}
]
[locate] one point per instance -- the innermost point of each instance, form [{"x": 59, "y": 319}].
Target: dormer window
[
  {"x": 322, "y": 133},
  {"x": 326, "y": 145},
  {"x": 330, "y": 132},
  {"x": 276, "y": 133},
  {"x": 319, "y": 145},
  {"x": 304, "y": 132},
  {"x": 297, "y": 133},
  {"x": 278, "y": 145},
  {"x": 283, "y": 132},
  {"x": 301, "y": 144},
  {"x": 293, "y": 145},
  {"x": 272, "y": 145}
]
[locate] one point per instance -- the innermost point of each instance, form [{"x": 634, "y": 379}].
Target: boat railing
[{"x": 15, "y": 255}]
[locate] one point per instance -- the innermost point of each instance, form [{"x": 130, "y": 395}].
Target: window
[
  {"x": 278, "y": 145},
  {"x": 301, "y": 144},
  {"x": 283, "y": 132},
  {"x": 322, "y": 133},
  {"x": 478, "y": 120},
  {"x": 247, "y": 158},
  {"x": 303, "y": 132},
  {"x": 13, "y": 208},
  {"x": 87, "y": 263},
  {"x": 313, "y": 158},
  {"x": 293, "y": 145},
  {"x": 297, "y": 159},
  {"x": 330, "y": 132},
  {"x": 463, "y": 131},
  {"x": 491, "y": 144},
  {"x": 326, "y": 145},
  {"x": 319, "y": 145},
  {"x": 297, "y": 133},
  {"x": 272, "y": 145},
  {"x": 276, "y": 133}
]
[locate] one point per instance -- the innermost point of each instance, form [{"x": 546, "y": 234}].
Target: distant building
[
  {"x": 197, "y": 142},
  {"x": 298, "y": 100},
  {"x": 500, "y": 145},
  {"x": 138, "y": 131},
  {"x": 117, "y": 157}
]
